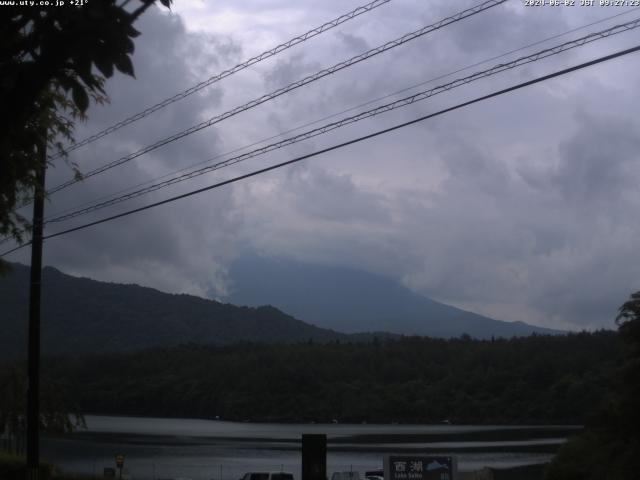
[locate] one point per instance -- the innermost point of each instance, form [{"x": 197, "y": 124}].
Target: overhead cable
[
  {"x": 344, "y": 144},
  {"x": 336, "y": 114},
  {"x": 403, "y": 102},
  {"x": 226, "y": 73},
  {"x": 281, "y": 91}
]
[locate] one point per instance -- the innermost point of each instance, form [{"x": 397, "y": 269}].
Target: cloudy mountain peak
[{"x": 349, "y": 300}]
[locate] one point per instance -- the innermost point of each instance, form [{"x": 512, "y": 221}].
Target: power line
[
  {"x": 333, "y": 115},
  {"x": 403, "y": 102},
  {"x": 281, "y": 91},
  {"x": 99, "y": 204},
  {"x": 457, "y": 17},
  {"x": 226, "y": 73},
  {"x": 344, "y": 144}
]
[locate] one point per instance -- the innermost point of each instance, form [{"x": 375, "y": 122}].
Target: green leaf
[
  {"x": 128, "y": 45},
  {"x": 65, "y": 82},
  {"x": 83, "y": 67},
  {"x": 132, "y": 32},
  {"x": 123, "y": 63},
  {"x": 104, "y": 65},
  {"x": 80, "y": 98}
]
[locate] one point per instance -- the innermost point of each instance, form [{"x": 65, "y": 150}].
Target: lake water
[{"x": 158, "y": 448}]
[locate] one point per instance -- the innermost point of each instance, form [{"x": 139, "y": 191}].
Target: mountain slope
[
  {"x": 355, "y": 301},
  {"x": 80, "y": 315}
]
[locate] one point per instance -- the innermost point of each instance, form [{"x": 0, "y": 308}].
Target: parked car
[
  {"x": 267, "y": 476},
  {"x": 374, "y": 473},
  {"x": 345, "y": 476}
]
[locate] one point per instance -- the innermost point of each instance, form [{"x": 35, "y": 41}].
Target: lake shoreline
[
  {"x": 220, "y": 450},
  {"x": 429, "y": 443}
]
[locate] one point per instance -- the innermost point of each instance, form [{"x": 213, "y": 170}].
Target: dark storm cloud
[
  {"x": 520, "y": 208},
  {"x": 485, "y": 237},
  {"x": 289, "y": 70},
  {"x": 354, "y": 43},
  {"x": 334, "y": 197},
  {"x": 602, "y": 161},
  {"x": 150, "y": 248},
  {"x": 505, "y": 28}
]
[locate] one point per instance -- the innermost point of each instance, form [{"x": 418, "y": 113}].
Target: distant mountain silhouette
[
  {"x": 80, "y": 315},
  {"x": 349, "y": 300}
]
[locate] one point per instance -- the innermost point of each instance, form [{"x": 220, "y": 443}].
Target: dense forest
[
  {"x": 609, "y": 447},
  {"x": 537, "y": 379}
]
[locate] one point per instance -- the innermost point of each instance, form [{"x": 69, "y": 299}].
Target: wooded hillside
[{"x": 538, "y": 379}]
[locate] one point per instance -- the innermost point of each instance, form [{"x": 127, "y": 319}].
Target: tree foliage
[
  {"x": 53, "y": 61},
  {"x": 538, "y": 379},
  {"x": 58, "y": 409},
  {"x": 610, "y": 448}
]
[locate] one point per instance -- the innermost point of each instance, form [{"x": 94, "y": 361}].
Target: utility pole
[{"x": 33, "y": 388}]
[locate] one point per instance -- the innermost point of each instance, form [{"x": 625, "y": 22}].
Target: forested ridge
[
  {"x": 86, "y": 316},
  {"x": 537, "y": 379},
  {"x": 80, "y": 315}
]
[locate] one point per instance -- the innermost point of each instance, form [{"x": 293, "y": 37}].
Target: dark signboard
[
  {"x": 419, "y": 467},
  {"x": 314, "y": 457}
]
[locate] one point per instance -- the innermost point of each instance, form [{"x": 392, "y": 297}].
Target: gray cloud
[
  {"x": 521, "y": 208},
  {"x": 289, "y": 70},
  {"x": 170, "y": 248},
  {"x": 354, "y": 43},
  {"x": 601, "y": 162}
]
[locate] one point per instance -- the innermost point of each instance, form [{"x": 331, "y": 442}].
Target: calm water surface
[{"x": 158, "y": 448}]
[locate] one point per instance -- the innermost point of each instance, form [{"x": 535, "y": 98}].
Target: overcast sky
[{"x": 524, "y": 207}]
